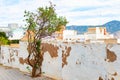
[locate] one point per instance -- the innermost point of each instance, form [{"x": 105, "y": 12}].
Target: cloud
[
  {"x": 78, "y": 12},
  {"x": 95, "y": 12}
]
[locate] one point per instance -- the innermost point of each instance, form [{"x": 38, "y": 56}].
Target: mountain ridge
[{"x": 111, "y": 26}]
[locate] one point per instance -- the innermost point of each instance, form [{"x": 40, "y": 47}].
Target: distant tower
[{"x": 13, "y": 26}]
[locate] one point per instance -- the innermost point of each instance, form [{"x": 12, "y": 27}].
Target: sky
[{"x": 77, "y": 12}]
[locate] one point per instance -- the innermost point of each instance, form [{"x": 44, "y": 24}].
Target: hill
[{"x": 112, "y": 27}]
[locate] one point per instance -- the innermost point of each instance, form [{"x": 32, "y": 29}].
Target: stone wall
[{"x": 68, "y": 61}]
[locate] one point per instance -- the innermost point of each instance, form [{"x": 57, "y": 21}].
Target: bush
[
  {"x": 14, "y": 42},
  {"x": 3, "y": 39}
]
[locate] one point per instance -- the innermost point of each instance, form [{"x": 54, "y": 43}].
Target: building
[
  {"x": 13, "y": 26},
  {"x": 4, "y": 29},
  {"x": 25, "y": 37},
  {"x": 90, "y": 34},
  {"x": 16, "y": 34},
  {"x": 93, "y": 35},
  {"x": 69, "y": 35},
  {"x": 118, "y": 41},
  {"x": 13, "y": 31},
  {"x": 59, "y": 34},
  {"x": 72, "y": 36},
  {"x": 98, "y": 33}
]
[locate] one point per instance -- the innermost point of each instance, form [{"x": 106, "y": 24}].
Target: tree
[
  {"x": 3, "y": 39},
  {"x": 39, "y": 25}
]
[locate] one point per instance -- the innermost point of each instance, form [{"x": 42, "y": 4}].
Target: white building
[
  {"x": 101, "y": 33},
  {"x": 5, "y": 29},
  {"x": 118, "y": 40},
  {"x": 17, "y": 34},
  {"x": 13, "y": 31},
  {"x": 13, "y": 26},
  {"x": 68, "y": 35},
  {"x": 95, "y": 33},
  {"x": 71, "y": 36}
]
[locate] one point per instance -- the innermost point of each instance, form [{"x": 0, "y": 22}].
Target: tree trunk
[
  {"x": 0, "y": 49},
  {"x": 0, "y": 54},
  {"x": 34, "y": 71}
]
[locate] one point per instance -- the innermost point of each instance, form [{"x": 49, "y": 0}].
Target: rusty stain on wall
[
  {"x": 12, "y": 52},
  {"x": 65, "y": 54},
  {"x": 78, "y": 61},
  {"x": 65, "y": 42},
  {"x": 60, "y": 46},
  {"x": 112, "y": 78},
  {"x": 16, "y": 53},
  {"x": 12, "y": 59},
  {"x": 8, "y": 61},
  {"x": 21, "y": 60},
  {"x": 100, "y": 78},
  {"x": 111, "y": 56},
  {"x": 52, "y": 49},
  {"x": 2, "y": 57},
  {"x": 115, "y": 74}
]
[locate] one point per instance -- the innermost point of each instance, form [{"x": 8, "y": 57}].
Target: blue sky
[
  {"x": 10, "y": 2},
  {"x": 78, "y": 12}
]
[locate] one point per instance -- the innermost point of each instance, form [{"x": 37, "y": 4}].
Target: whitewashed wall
[
  {"x": 9, "y": 56},
  {"x": 73, "y": 61},
  {"x": 23, "y": 53}
]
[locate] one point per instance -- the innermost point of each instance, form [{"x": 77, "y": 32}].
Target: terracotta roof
[
  {"x": 15, "y": 45},
  {"x": 25, "y": 37}
]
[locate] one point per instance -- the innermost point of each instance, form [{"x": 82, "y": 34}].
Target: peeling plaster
[
  {"x": 52, "y": 49},
  {"x": 111, "y": 56},
  {"x": 65, "y": 54}
]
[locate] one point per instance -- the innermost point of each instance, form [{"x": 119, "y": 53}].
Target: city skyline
[{"x": 77, "y": 12}]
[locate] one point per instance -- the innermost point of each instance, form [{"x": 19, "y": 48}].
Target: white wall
[
  {"x": 69, "y": 32},
  {"x": 71, "y": 36},
  {"x": 118, "y": 40},
  {"x": 23, "y": 53},
  {"x": 52, "y": 66},
  {"x": 90, "y": 36},
  {"x": 84, "y": 61},
  {"x": 9, "y": 56}
]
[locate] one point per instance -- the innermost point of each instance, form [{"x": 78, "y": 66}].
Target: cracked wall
[{"x": 68, "y": 61}]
